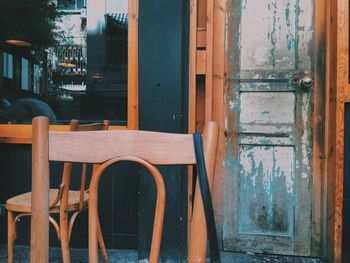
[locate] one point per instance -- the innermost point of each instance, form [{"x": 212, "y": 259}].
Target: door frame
[{"x": 319, "y": 218}]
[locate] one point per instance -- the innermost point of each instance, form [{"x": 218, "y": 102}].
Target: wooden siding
[{"x": 206, "y": 90}]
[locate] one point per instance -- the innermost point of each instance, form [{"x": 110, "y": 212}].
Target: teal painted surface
[{"x": 267, "y": 183}]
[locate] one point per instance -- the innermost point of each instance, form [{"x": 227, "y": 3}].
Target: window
[
  {"x": 71, "y": 4},
  {"x": 89, "y": 67},
  {"x": 8, "y": 65},
  {"x": 24, "y": 75},
  {"x": 79, "y": 63}
]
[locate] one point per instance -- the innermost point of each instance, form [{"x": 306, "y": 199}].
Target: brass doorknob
[{"x": 306, "y": 82}]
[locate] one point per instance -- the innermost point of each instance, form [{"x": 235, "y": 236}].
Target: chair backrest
[
  {"x": 108, "y": 147},
  {"x": 67, "y": 170}
]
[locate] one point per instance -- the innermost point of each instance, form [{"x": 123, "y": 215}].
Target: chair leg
[
  {"x": 101, "y": 242},
  {"x": 93, "y": 223},
  {"x": 64, "y": 236},
  {"x": 10, "y": 236}
]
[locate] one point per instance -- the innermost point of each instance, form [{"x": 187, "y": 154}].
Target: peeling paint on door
[
  {"x": 265, "y": 107},
  {"x": 267, "y": 195},
  {"x": 266, "y": 184},
  {"x": 266, "y": 48}
]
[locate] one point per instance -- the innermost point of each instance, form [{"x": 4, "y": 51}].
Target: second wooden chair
[{"x": 62, "y": 202}]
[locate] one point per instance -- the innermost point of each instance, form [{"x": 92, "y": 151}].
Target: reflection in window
[
  {"x": 24, "y": 75},
  {"x": 7, "y": 65},
  {"x": 77, "y": 62},
  {"x": 71, "y": 4},
  {"x": 36, "y": 78}
]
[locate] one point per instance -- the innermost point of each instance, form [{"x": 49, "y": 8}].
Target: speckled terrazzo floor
[{"x": 130, "y": 256}]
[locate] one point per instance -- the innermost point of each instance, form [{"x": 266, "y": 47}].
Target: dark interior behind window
[{"x": 76, "y": 62}]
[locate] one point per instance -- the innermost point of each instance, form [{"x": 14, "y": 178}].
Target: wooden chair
[
  {"x": 107, "y": 148},
  {"x": 61, "y": 201}
]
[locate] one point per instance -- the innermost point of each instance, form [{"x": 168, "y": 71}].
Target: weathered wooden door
[{"x": 268, "y": 174}]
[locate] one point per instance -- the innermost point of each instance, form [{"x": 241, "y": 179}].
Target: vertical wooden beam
[
  {"x": 191, "y": 101},
  {"x": 342, "y": 64},
  {"x": 192, "y": 66},
  {"x": 209, "y": 62},
  {"x": 318, "y": 126},
  {"x": 330, "y": 131},
  {"x": 218, "y": 109},
  {"x": 39, "y": 238},
  {"x": 133, "y": 66}
]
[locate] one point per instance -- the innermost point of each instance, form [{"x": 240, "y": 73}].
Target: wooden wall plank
[
  {"x": 327, "y": 250},
  {"x": 201, "y": 16},
  {"x": 209, "y": 62},
  {"x": 347, "y": 95},
  {"x": 192, "y": 66},
  {"x": 191, "y": 99},
  {"x": 133, "y": 66},
  {"x": 341, "y": 85},
  {"x": 330, "y": 131},
  {"x": 218, "y": 109},
  {"x": 318, "y": 126},
  {"x": 201, "y": 38},
  {"x": 201, "y": 63}
]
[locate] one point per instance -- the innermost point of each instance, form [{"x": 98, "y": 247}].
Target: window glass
[
  {"x": 36, "y": 77},
  {"x": 71, "y": 4},
  {"x": 7, "y": 65},
  {"x": 24, "y": 75},
  {"x": 75, "y": 61}
]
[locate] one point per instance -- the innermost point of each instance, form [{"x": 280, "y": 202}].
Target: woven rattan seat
[{"x": 22, "y": 202}]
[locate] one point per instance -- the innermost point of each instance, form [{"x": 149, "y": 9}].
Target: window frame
[{"x": 22, "y": 133}]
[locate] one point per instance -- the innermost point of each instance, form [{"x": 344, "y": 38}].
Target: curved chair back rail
[
  {"x": 154, "y": 147},
  {"x": 106, "y": 148}
]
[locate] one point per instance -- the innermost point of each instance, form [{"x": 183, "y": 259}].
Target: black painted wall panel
[{"x": 163, "y": 89}]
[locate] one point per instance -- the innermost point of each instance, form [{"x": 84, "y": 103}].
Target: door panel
[
  {"x": 273, "y": 24},
  {"x": 267, "y": 191},
  {"x": 269, "y": 171},
  {"x": 269, "y": 107}
]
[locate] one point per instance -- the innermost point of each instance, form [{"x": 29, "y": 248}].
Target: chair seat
[{"x": 22, "y": 203}]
